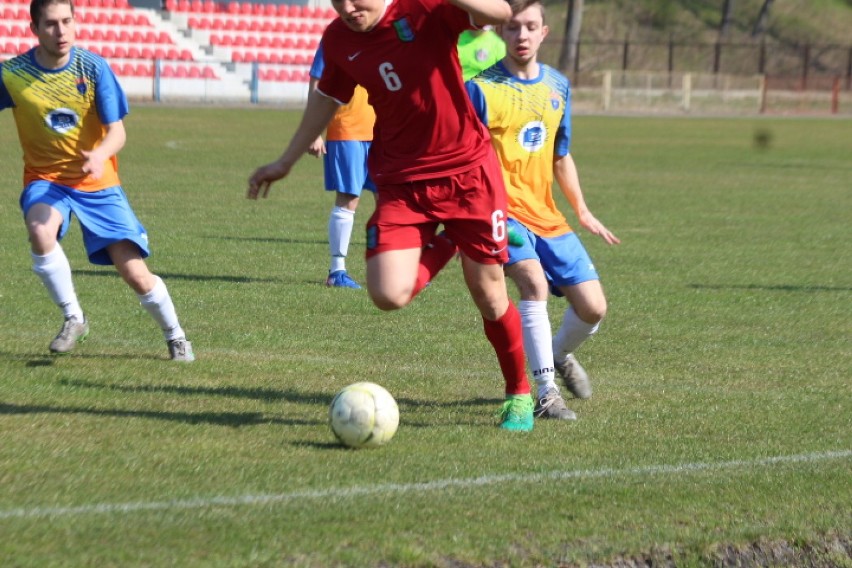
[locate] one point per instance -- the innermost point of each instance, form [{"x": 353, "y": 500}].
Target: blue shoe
[
  {"x": 339, "y": 279},
  {"x": 516, "y": 414}
]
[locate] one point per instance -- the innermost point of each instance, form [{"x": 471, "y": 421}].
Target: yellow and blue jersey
[
  {"x": 530, "y": 124},
  {"x": 59, "y": 113}
]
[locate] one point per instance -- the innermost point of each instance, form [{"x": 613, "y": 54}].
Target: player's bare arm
[
  {"x": 317, "y": 147},
  {"x": 484, "y": 12},
  {"x": 110, "y": 145},
  {"x": 565, "y": 172},
  {"x": 318, "y": 112}
]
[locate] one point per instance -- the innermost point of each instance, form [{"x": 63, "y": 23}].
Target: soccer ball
[{"x": 363, "y": 415}]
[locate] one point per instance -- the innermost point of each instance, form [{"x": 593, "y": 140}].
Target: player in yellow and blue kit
[
  {"x": 347, "y": 143},
  {"x": 526, "y": 106},
  {"x": 68, "y": 109}
]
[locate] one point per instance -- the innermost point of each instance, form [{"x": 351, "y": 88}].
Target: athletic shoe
[
  {"x": 181, "y": 350},
  {"x": 517, "y": 413},
  {"x": 575, "y": 377},
  {"x": 551, "y": 405},
  {"x": 73, "y": 331},
  {"x": 339, "y": 279}
]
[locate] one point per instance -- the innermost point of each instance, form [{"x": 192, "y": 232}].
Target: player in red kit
[{"x": 431, "y": 160}]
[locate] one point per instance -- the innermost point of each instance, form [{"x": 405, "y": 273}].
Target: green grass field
[{"x": 721, "y": 421}]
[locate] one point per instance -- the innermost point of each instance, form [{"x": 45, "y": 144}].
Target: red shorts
[{"x": 471, "y": 205}]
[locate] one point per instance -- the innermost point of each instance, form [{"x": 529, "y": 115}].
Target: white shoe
[{"x": 574, "y": 376}]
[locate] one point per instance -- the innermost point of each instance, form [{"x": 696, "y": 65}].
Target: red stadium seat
[
  {"x": 208, "y": 73},
  {"x": 143, "y": 70}
]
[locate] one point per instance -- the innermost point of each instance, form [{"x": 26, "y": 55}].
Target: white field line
[{"x": 423, "y": 487}]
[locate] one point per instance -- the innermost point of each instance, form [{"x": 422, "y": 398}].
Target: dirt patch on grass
[{"x": 832, "y": 552}]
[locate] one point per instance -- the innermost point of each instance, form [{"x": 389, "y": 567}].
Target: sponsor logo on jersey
[
  {"x": 62, "y": 120},
  {"x": 532, "y": 136},
  {"x": 403, "y": 30}
]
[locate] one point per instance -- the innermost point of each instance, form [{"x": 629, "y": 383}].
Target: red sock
[
  {"x": 505, "y": 335},
  {"x": 435, "y": 256}
]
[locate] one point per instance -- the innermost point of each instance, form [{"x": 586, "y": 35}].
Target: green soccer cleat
[{"x": 516, "y": 413}]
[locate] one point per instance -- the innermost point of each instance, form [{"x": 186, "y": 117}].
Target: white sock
[
  {"x": 159, "y": 304},
  {"x": 571, "y": 334},
  {"x": 340, "y": 224},
  {"x": 55, "y": 272},
  {"x": 538, "y": 343}
]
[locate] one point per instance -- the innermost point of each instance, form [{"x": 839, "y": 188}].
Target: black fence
[{"x": 805, "y": 66}]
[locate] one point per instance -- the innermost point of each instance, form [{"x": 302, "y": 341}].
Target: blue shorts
[
  {"x": 563, "y": 258},
  {"x": 345, "y": 165},
  {"x": 105, "y": 216}
]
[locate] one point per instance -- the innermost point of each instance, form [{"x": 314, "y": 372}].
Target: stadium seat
[
  {"x": 208, "y": 73},
  {"x": 143, "y": 70}
]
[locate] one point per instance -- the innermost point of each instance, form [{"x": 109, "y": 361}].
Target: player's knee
[
  {"x": 387, "y": 303},
  {"x": 592, "y": 312}
]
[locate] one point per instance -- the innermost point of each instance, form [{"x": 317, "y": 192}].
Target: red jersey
[{"x": 425, "y": 124}]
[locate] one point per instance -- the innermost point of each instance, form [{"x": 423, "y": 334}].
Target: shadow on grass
[
  {"x": 232, "y": 419},
  {"x": 191, "y": 277},
  {"x": 269, "y": 395},
  {"x": 275, "y": 240},
  {"x": 771, "y": 287},
  {"x": 264, "y": 394},
  {"x": 45, "y": 360}
]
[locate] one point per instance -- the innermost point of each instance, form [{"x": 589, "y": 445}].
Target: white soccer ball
[{"x": 363, "y": 415}]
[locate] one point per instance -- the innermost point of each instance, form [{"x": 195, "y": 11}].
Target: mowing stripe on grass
[{"x": 437, "y": 485}]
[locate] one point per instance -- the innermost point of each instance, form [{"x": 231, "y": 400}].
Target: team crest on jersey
[
  {"x": 62, "y": 120},
  {"x": 532, "y": 136},
  {"x": 82, "y": 87},
  {"x": 555, "y": 100},
  {"x": 403, "y": 30}
]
